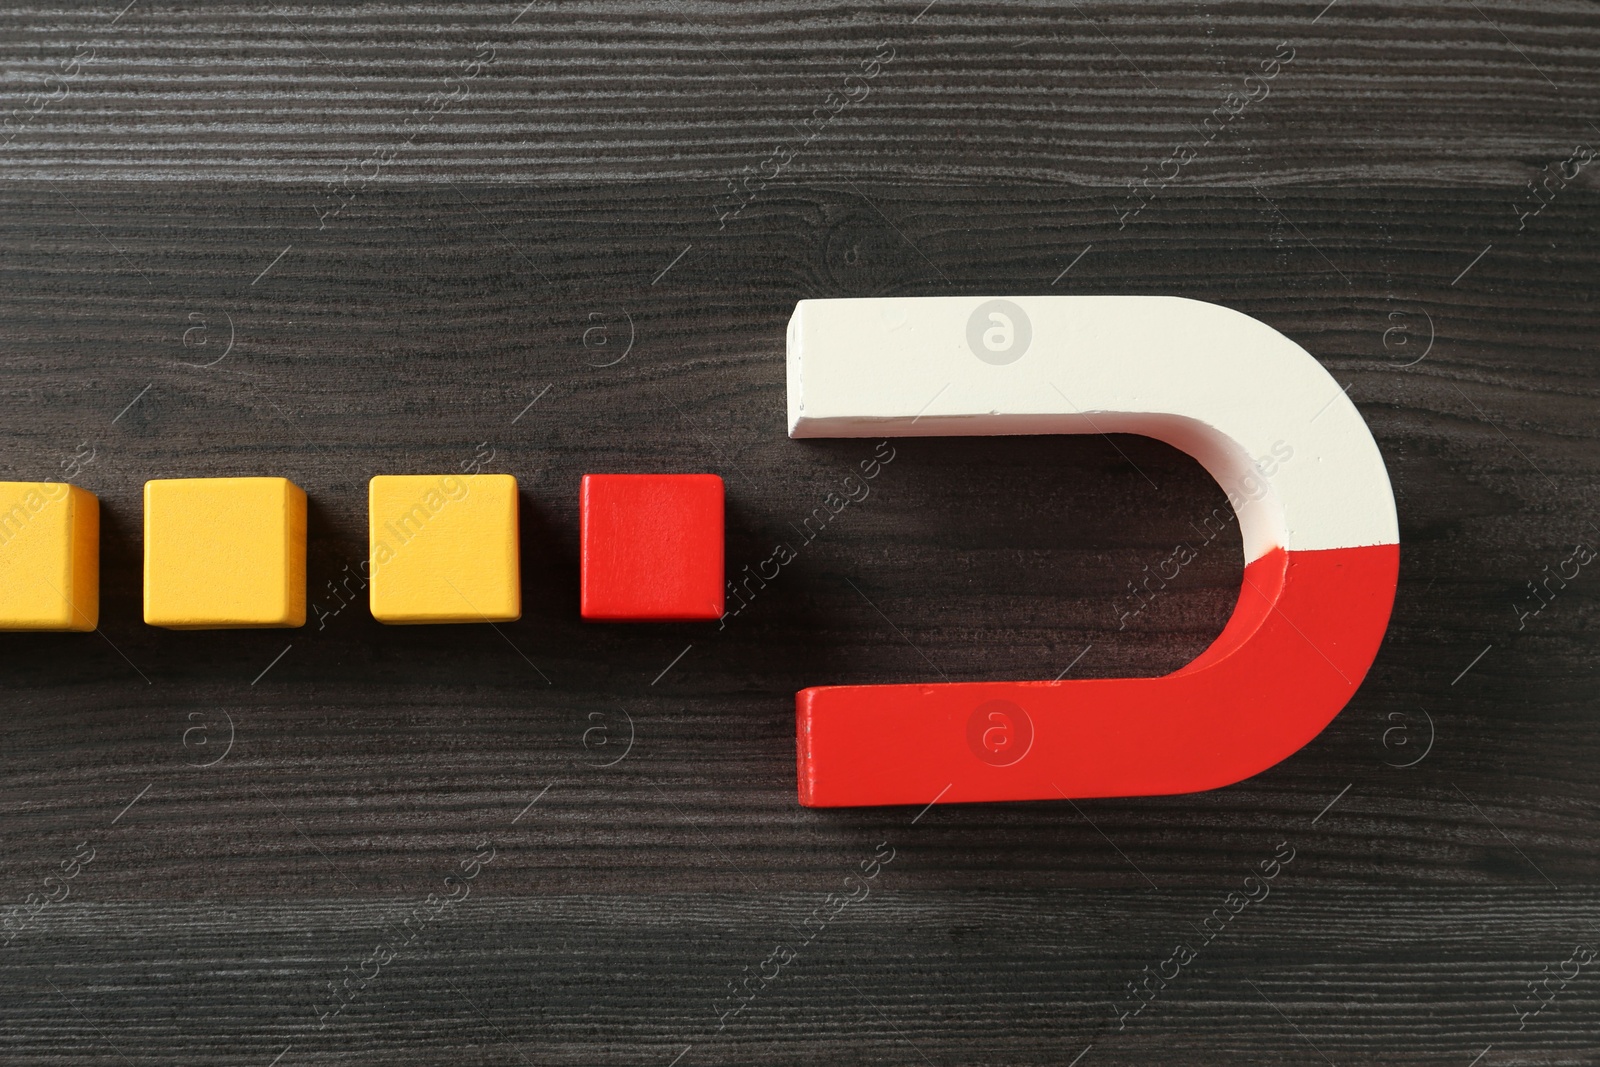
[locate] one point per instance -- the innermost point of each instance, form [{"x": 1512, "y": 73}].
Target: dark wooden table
[{"x": 330, "y": 242}]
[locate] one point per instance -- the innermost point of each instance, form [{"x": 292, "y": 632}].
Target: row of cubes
[{"x": 226, "y": 553}]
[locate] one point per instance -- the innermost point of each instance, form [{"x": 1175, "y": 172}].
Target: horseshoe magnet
[{"x": 1321, "y": 541}]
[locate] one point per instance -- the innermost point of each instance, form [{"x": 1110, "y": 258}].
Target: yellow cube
[
  {"x": 444, "y": 548},
  {"x": 224, "y": 553},
  {"x": 49, "y": 557}
]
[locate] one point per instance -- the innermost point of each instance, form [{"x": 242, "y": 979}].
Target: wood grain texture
[
  {"x": 553, "y": 240},
  {"x": 1381, "y": 90}
]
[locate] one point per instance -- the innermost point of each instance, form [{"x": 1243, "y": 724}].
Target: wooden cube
[
  {"x": 49, "y": 557},
  {"x": 651, "y": 547},
  {"x": 444, "y": 548},
  {"x": 224, "y": 553}
]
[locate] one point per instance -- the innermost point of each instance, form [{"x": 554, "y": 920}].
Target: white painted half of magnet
[{"x": 1271, "y": 426}]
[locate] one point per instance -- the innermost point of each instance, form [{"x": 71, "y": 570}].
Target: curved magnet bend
[{"x": 1321, "y": 541}]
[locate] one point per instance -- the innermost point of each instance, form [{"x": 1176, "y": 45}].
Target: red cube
[{"x": 651, "y": 547}]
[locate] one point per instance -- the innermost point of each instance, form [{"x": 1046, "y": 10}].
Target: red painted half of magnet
[
  {"x": 1305, "y": 631},
  {"x": 651, "y": 547}
]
